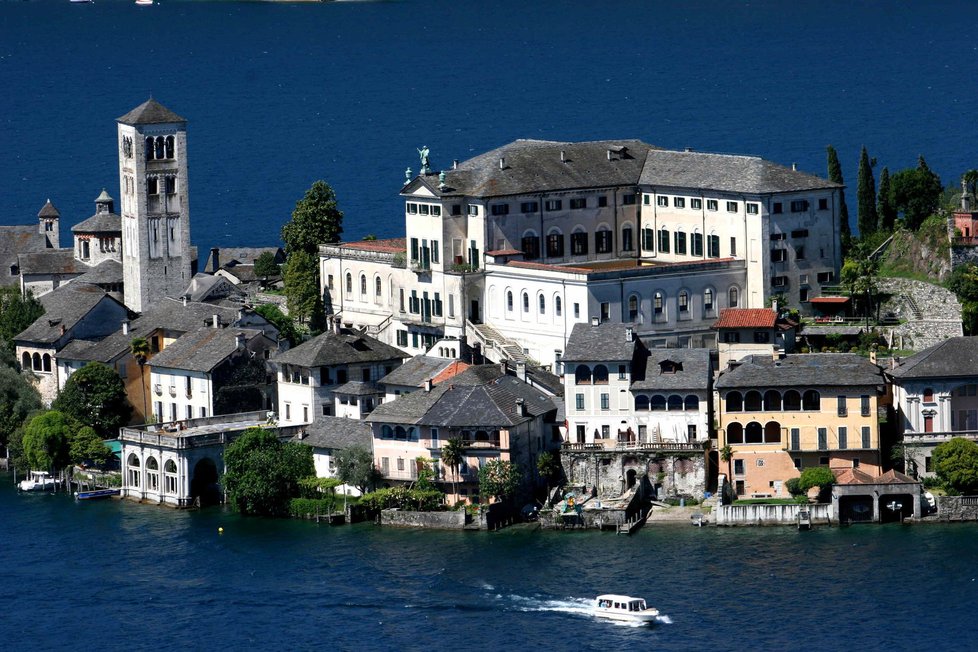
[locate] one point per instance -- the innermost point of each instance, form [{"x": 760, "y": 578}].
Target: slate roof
[
  {"x": 201, "y": 350},
  {"x": 358, "y": 388},
  {"x": 63, "y": 306},
  {"x": 746, "y": 318},
  {"x": 51, "y": 261},
  {"x": 337, "y": 349},
  {"x": 227, "y": 256},
  {"x": 696, "y": 370},
  {"x": 201, "y": 286},
  {"x": 150, "y": 112},
  {"x": 802, "y": 370},
  {"x": 99, "y": 223},
  {"x": 604, "y": 342},
  {"x": 48, "y": 210},
  {"x": 535, "y": 166},
  {"x": 957, "y": 356},
  {"x": 336, "y": 433},
  {"x": 725, "y": 172},
  {"x": 415, "y": 371},
  {"x": 20, "y": 239},
  {"x": 108, "y": 271}
]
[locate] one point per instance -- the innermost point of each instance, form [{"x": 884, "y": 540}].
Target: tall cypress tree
[
  {"x": 886, "y": 209},
  {"x": 867, "y": 220},
  {"x": 835, "y": 176}
]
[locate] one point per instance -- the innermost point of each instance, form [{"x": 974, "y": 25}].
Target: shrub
[
  {"x": 816, "y": 476},
  {"x": 423, "y": 500},
  {"x": 794, "y": 486},
  {"x": 302, "y": 507}
]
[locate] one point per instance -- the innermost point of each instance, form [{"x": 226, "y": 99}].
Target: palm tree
[
  {"x": 452, "y": 454},
  {"x": 726, "y": 454},
  {"x": 140, "y": 350}
]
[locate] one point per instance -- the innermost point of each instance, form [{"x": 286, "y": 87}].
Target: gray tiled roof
[
  {"x": 602, "y": 343},
  {"x": 802, "y": 370},
  {"x": 99, "y": 223},
  {"x": 358, "y": 388},
  {"x": 108, "y": 271},
  {"x": 725, "y": 172},
  {"x": 201, "y": 350},
  {"x": 336, "y": 433},
  {"x": 241, "y": 256},
  {"x": 48, "y": 210},
  {"x": 956, "y": 356},
  {"x": 336, "y": 349},
  {"x": 696, "y": 372},
  {"x": 202, "y": 288},
  {"x": 51, "y": 261},
  {"x": 19, "y": 239},
  {"x": 64, "y": 306},
  {"x": 415, "y": 371},
  {"x": 536, "y": 166},
  {"x": 150, "y": 112}
]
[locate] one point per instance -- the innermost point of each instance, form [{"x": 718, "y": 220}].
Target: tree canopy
[
  {"x": 95, "y": 396},
  {"x": 499, "y": 479},
  {"x": 281, "y": 321},
  {"x": 355, "y": 467},
  {"x": 866, "y": 196},
  {"x": 16, "y": 313},
  {"x": 18, "y": 399},
  {"x": 266, "y": 266},
  {"x": 916, "y": 194},
  {"x": 835, "y": 176},
  {"x": 316, "y": 220},
  {"x": 885, "y": 209},
  {"x": 956, "y": 465},
  {"x": 86, "y": 446},
  {"x": 263, "y": 474},
  {"x": 238, "y": 387},
  {"x": 452, "y": 456},
  {"x": 46, "y": 440},
  {"x": 301, "y": 277}
]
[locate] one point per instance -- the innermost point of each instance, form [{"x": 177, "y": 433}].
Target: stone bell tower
[{"x": 154, "y": 204}]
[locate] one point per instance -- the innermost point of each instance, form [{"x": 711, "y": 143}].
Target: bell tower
[{"x": 154, "y": 204}]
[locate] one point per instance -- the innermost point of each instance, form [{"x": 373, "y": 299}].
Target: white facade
[{"x": 179, "y": 394}]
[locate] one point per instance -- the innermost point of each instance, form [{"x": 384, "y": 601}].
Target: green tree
[
  {"x": 95, "y": 396},
  {"x": 281, "y": 321},
  {"x": 916, "y": 194},
  {"x": 956, "y": 465},
  {"x": 355, "y": 467},
  {"x": 301, "y": 278},
  {"x": 817, "y": 476},
  {"x": 866, "y": 196},
  {"x": 499, "y": 479},
  {"x": 884, "y": 206},
  {"x": 17, "y": 312},
  {"x": 550, "y": 469},
  {"x": 316, "y": 220},
  {"x": 835, "y": 176},
  {"x": 85, "y": 445},
  {"x": 266, "y": 266},
  {"x": 452, "y": 456},
  {"x": 18, "y": 399},
  {"x": 970, "y": 180},
  {"x": 317, "y": 320},
  {"x": 963, "y": 281},
  {"x": 263, "y": 474},
  {"x": 46, "y": 440}
]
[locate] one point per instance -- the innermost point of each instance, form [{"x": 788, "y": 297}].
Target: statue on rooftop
[{"x": 423, "y": 153}]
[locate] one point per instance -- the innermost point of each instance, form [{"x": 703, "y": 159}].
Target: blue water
[
  {"x": 279, "y": 95},
  {"x": 113, "y": 576}
]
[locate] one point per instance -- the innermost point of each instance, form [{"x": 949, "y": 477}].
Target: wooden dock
[{"x": 632, "y": 526}]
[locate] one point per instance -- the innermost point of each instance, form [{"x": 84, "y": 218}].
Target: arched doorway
[
  {"x": 630, "y": 478},
  {"x": 205, "y": 483}
]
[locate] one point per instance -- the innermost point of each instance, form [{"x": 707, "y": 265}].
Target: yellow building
[{"x": 781, "y": 415}]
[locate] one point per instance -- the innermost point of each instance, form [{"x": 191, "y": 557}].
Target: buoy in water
[{"x": 220, "y": 530}]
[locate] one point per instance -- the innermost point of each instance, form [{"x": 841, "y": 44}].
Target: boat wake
[{"x": 572, "y": 606}]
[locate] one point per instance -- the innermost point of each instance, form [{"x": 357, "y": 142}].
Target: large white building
[{"x": 510, "y": 249}]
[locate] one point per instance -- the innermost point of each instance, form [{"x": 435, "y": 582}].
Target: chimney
[
  {"x": 455, "y": 164},
  {"x": 336, "y": 326},
  {"x": 595, "y": 321},
  {"x": 215, "y": 259},
  {"x": 563, "y": 156},
  {"x": 521, "y": 370},
  {"x": 775, "y": 353},
  {"x": 502, "y": 367},
  {"x": 794, "y": 167},
  {"x": 125, "y": 327},
  {"x": 63, "y": 329},
  {"x": 216, "y": 321},
  {"x": 629, "y": 334},
  {"x": 502, "y": 163},
  {"x": 872, "y": 356},
  {"x": 520, "y": 407},
  {"x": 302, "y": 434},
  {"x": 239, "y": 340},
  {"x": 427, "y": 384},
  {"x": 774, "y": 306},
  {"x": 240, "y": 314}
]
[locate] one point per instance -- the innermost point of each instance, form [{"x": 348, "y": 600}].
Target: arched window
[
  {"x": 735, "y": 402},
  {"x": 481, "y": 435},
  {"x": 133, "y": 476},
  {"x": 657, "y": 303},
  {"x": 170, "y": 477},
  {"x": 150, "y": 148},
  {"x": 526, "y": 302},
  {"x": 675, "y": 403},
  {"x": 363, "y": 284},
  {"x": 25, "y": 361},
  {"x": 683, "y": 301},
  {"x": 772, "y": 401},
  {"x": 349, "y": 283},
  {"x": 557, "y": 306},
  {"x": 752, "y": 401},
  {"x": 792, "y": 401},
  {"x": 632, "y": 308},
  {"x": 412, "y": 433},
  {"x": 582, "y": 375},
  {"x": 400, "y": 432},
  {"x": 657, "y": 403},
  {"x": 509, "y": 301},
  {"x": 170, "y": 467},
  {"x": 46, "y": 362},
  {"x": 152, "y": 474},
  {"x": 600, "y": 375},
  {"x": 386, "y": 432},
  {"x": 929, "y": 395},
  {"x": 160, "y": 152},
  {"x": 691, "y": 403},
  {"x": 377, "y": 287},
  {"x": 663, "y": 240},
  {"x": 641, "y": 403},
  {"x": 36, "y": 361},
  {"x": 811, "y": 400},
  {"x": 735, "y": 433},
  {"x": 169, "y": 146},
  {"x": 772, "y": 432},
  {"x": 733, "y": 296},
  {"x": 754, "y": 433},
  {"x": 543, "y": 305},
  {"x": 626, "y": 237},
  {"x": 648, "y": 238},
  {"x": 707, "y": 299}
]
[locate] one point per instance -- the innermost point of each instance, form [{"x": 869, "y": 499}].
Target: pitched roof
[
  {"x": 850, "y": 476},
  {"x": 202, "y": 349},
  {"x": 336, "y": 433},
  {"x": 454, "y": 368},
  {"x": 150, "y": 112},
  {"x": 603, "y": 342},
  {"x": 240, "y": 255},
  {"x": 51, "y": 261},
  {"x": 956, "y": 356},
  {"x": 537, "y": 166},
  {"x": 415, "y": 371},
  {"x": 99, "y": 223},
  {"x": 801, "y": 370},
  {"x": 692, "y": 370},
  {"x": 390, "y": 245},
  {"x": 725, "y": 172},
  {"x": 108, "y": 271},
  {"x": 48, "y": 210},
  {"x": 344, "y": 348},
  {"x": 64, "y": 306},
  {"x": 19, "y": 239},
  {"x": 358, "y": 388},
  {"x": 746, "y": 318},
  {"x": 204, "y": 287}
]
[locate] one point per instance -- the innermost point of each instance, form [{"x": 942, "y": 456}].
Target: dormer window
[{"x": 670, "y": 367}]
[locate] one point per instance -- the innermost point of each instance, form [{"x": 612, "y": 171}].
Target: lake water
[
  {"x": 112, "y": 575},
  {"x": 279, "y": 95}
]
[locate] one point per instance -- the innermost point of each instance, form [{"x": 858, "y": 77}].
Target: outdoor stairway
[
  {"x": 491, "y": 339},
  {"x": 914, "y": 308}
]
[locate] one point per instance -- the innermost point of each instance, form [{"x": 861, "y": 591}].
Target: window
[
  {"x": 402, "y": 338},
  {"x": 679, "y": 202},
  {"x": 657, "y": 303},
  {"x": 579, "y": 401},
  {"x": 526, "y": 302},
  {"x": 662, "y": 201},
  {"x": 823, "y": 204},
  {"x": 152, "y": 186},
  {"x": 823, "y": 439},
  {"x": 663, "y": 240},
  {"x": 552, "y": 205},
  {"x": 799, "y": 233},
  {"x": 602, "y": 201},
  {"x": 363, "y": 284},
  {"x": 697, "y": 248},
  {"x": 733, "y": 297},
  {"x": 779, "y": 281},
  {"x": 843, "y": 437},
  {"x": 731, "y": 207},
  {"x": 761, "y": 337},
  {"x": 711, "y": 204},
  {"x": 555, "y": 245},
  {"x": 738, "y": 467},
  {"x": 683, "y": 301},
  {"x": 456, "y": 209},
  {"x": 579, "y": 244},
  {"x": 632, "y": 308},
  {"x": 707, "y": 299},
  {"x": 628, "y": 200},
  {"x": 412, "y": 208},
  {"x": 778, "y": 255},
  {"x": 499, "y": 209},
  {"x": 733, "y": 246},
  {"x": 803, "y": 295},
  {"x": 795, "y": 439},
  {"x": 928, "y": 395},
  {"x": 713, "y": 246},
  {"x": 605, "y": 402},
  {"x": 578, "y": 203},
  {"x": 648, "y": 239},
  {"x": 799, "y": 206},
  {"x": 170, "y": 185},
  {"x": 864, "y": 406},
  {"x": 841, "y": 407},
  {"x": 378, "y": 286},
  {"x": 605, "y": 432},
  {"x": 752, "y": 208},
  {"x": 473, "y": 209},
  {"x": 605, "y": 311},
  {"x": 543, "y": 305},
  {"x": 646, "y": 200},
  {"x": 603, "y": 241},
  {"x": 414, "y": 248},
  {"x": 529, "y": 207},
  {"x": 530, "y": 245},
  {"x": 626, "y": 238},
  {"x": 557, "y": 306},
  {"x": 577, "y": 311},
  {"x": 696, "y": 203},
  {"x": 400, "y": 294},
  {"x": 622, "y": 372},
  {"x": 680, "y": 243},
  {"x": 867, "y": 439},
  {"x": 825, "y": 277},
  {"x": 776, "y": 208}
]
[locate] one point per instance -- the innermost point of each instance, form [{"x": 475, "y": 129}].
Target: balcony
[
  {"x": 406, "y": 474},
  {"x": 173, "y": 391},
  {"x": 158, "y": 389},
  {"x": 614, "y": 445}
]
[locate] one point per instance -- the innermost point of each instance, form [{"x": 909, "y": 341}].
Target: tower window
[
  {"x": 169, "y": 146},
  {"x": 160, "y": 148},
  {"x": 170, "y": 184},
  {"x": 152, "y": 186}
]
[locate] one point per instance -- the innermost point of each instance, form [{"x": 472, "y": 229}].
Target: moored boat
[
  {"x": 38, "y": 481},
  {"x": 144, "y": 2},
  {"x": 96, "y": 493},
  {"x": 625, "y": 608}
]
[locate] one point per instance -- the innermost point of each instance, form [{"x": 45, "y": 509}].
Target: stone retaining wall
[
  {"x": 434, "y": 520},
  {"x": 940, "y": 313},
  {"x": 771, "y": 514},
  {"x": 957, "y": 508}
]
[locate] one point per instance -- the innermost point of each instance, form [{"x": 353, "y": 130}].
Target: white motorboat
[
  {"x": 144, "y": 2},
  {"x": 38, "y": 481},
  {"x": 623, "y": 607}
]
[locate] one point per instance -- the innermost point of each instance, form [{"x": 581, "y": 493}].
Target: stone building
[{"x": 23, "y": 239}]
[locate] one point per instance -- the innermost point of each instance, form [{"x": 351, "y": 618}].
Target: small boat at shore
[
  {"x": 38, "y": 481},
  {"x": 625, "y": 608},
  {"x": 96, "y": 494},
  {"x": 144, "y": 2}
]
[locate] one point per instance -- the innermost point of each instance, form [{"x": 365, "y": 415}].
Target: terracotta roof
[
  {"x": 829, "y": 300},
  {"x": 855, "y": 476},
  {"x": 746, "y": 318},
  {"x": 150, "y": 112},
  {"x": 453, "y": 369},
  {"x": 503, "y": 252},
  {"x": 393, "y": 245}
]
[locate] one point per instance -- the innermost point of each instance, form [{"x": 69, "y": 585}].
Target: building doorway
[{"x": 205, "y": 485}]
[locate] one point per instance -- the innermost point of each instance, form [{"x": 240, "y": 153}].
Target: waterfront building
[
  {"x": 329, "y": 435},
  {"x": 752, "y": 331},
  {"x": 780, "y": 415},
  {"x": 509, "y": 250},
  {"x": 22, "y": 239},
  {"x": 496, "y": 417},
  {"x": 935, "y": 397}
]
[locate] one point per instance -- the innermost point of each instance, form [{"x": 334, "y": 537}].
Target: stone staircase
[{"x": 494, "y": 345}]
